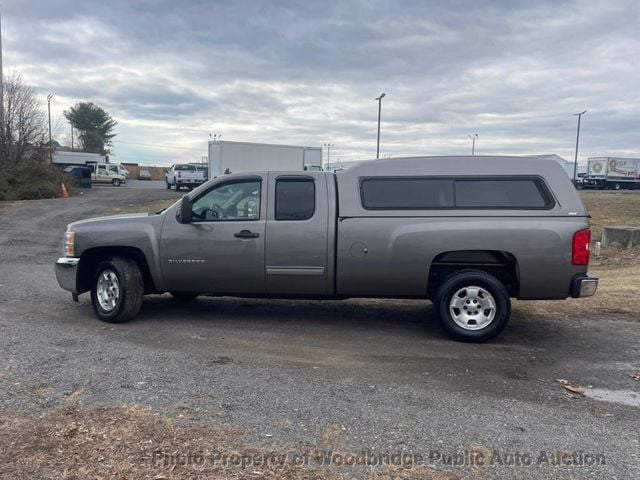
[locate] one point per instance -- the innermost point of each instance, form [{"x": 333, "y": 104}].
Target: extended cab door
[
  {"x": 222, "y": 250},
  {"x": 296, "y": 258}
]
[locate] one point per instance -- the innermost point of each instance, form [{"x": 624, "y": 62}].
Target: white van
[{"x": 112, "y": 168}]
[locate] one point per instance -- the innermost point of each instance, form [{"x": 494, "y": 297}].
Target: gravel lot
[{"x": 355, "y": 375}]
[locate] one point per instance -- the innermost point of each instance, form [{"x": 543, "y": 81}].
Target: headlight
[{"x": 69, "y": 244}]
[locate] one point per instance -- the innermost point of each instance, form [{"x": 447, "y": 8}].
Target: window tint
[
  {"x": 501, "y": 193},
  {"x": 295, "y": 198},
  {"x": 230, "y": 201},
  {"x": 185, "y": 167},
  {"x": 407, "y": 193}
]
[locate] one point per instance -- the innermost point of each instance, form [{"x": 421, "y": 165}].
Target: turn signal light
[{"x": 69, "y": 244}]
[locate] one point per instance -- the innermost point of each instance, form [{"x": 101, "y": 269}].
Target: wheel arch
[
  {"x": 501, "y": 264},
  {"x": 90, "y": 259}
]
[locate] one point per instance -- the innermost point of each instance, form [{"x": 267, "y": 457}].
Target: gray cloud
[{"x": 307, "y": 72}]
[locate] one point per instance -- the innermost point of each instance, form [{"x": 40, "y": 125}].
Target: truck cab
[{"x": 274, "y": 227}]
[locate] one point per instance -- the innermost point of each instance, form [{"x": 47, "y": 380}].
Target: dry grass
[
  {"x": 610, "y": 209},
  {"x": 131, "y": 442}
]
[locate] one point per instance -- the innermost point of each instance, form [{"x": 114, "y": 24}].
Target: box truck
[
  {"x": 613, "y": 173},
  {"x": 237, "y": 157}
]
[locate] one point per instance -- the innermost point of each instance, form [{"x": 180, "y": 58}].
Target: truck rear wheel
[
  {"x": 473, "y": 306},
  {"x": 168, "y": 185},
  {"x": 115, "y": 182},
  {"x": 117, "y": 290}
]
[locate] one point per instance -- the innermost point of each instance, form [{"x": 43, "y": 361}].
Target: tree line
[{"x": 24, "y": 125}]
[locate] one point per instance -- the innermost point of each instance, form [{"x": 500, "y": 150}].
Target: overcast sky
[{"x": 307, "y": 73}]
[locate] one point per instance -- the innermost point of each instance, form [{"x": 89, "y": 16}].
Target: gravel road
[{"x": 380, "y": 373}]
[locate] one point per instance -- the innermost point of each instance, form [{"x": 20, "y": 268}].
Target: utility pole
[
  {"x": 575, "y": 162},
  {"x": 329, "y": 145},
  {"x": 72, "y": 137},
  {"x": 473, "y": 138},
  {"x": 49, "y": 97},
  {"x": 379, "y": 99}
]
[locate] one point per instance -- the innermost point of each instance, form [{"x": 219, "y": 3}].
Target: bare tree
[{"x": 24, "y": 123}]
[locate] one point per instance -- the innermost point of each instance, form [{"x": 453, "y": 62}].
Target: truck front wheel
[
  {"x": 117, "y": 290},
  {"x": 473, "y": 306}
]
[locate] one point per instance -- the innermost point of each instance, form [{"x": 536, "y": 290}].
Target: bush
[{"x": 32, "y": 180}]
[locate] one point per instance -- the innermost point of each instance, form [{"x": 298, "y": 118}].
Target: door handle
[{"x": 246, "y": 234}]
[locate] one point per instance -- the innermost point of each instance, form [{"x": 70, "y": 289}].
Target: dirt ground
[{"x": 243, "y": 388}]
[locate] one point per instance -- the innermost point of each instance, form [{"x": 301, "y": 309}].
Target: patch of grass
[
  {"x": 610, "y": 209},
  {"x": 135, "y": 442},
  {"x": 31, "y": 181}
]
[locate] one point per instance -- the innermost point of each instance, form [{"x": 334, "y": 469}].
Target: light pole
[
  {"x": 575, "y": 162},
  {"x": 329, "y": 145},
  {"x": 49, "y": 97},
  {"x": 379, "y": 99},
  {"x": 473, "y": 138}
]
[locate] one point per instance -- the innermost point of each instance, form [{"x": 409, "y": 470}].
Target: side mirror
[{"x": 184, "y": 214}]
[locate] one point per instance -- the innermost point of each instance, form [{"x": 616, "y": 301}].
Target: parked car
[
  {"x": 184, "y": 175},
  {"x": 144, "y": 175},
  {"x": 468, "y": 233},
  {"x": 81, "y": 175},
  {"x": 113, "y": 168},
  {"x": 103, "y": 173}
]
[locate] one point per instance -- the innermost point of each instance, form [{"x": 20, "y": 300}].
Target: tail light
[{"x": 580, "y": 248}]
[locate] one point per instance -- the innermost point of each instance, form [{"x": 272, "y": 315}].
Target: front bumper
[
  {"x": 584, "y": 286},
  {"x": 66, "y": 273}
]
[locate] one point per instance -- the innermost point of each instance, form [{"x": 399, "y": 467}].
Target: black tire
[
  {"x": 616, "y": 186},
  {"x": 131, "y": 290},
  {"x": 115, "y": 182},
  {"x": 184, "y": 296},
  {"x": 468, "y": 278},
  {"x": 177, "y": 187},
  {"x": 168, "y": 185}
]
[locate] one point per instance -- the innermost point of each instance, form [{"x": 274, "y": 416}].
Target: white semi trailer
[
  {"x": 76, "y": 158},
  {"x": 613, "y": 172},
  {"x": 237, "y": 157}
]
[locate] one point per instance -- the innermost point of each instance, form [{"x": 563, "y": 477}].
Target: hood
[{"x": 114, "y": 219}]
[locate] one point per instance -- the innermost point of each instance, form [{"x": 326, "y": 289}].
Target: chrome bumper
[
  {"x": 584, "y": 286},
  {"x": 66, "y": 269}
]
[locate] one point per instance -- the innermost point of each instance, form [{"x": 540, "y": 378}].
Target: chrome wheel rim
[
  {"x": 108, "y": 290},
  {"x": 472, "y": 308}
]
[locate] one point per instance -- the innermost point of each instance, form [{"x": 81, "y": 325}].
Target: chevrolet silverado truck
[
  {"x": 467, "y": 233},
  {"x": 184, "y": 175}
]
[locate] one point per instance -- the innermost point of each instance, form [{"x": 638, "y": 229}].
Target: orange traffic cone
[{"x": 63, "y": 191}]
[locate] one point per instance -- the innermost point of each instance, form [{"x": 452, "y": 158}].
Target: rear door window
[{"x": 295, "y": 198}]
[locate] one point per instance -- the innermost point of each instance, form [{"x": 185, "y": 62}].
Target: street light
[
  {"x": 473, "y": 138},
  {"x": 49, "y": 97},
  {"x": 379, "y": 99},
  {"x": 329, "y": 145},
  {"x": 575, "y": 163}
]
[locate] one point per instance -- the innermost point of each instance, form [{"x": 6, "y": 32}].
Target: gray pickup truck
[{"x": 467, "y": 233}]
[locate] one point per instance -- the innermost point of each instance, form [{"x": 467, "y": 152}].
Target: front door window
[{"x": 230, "y": 201}]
